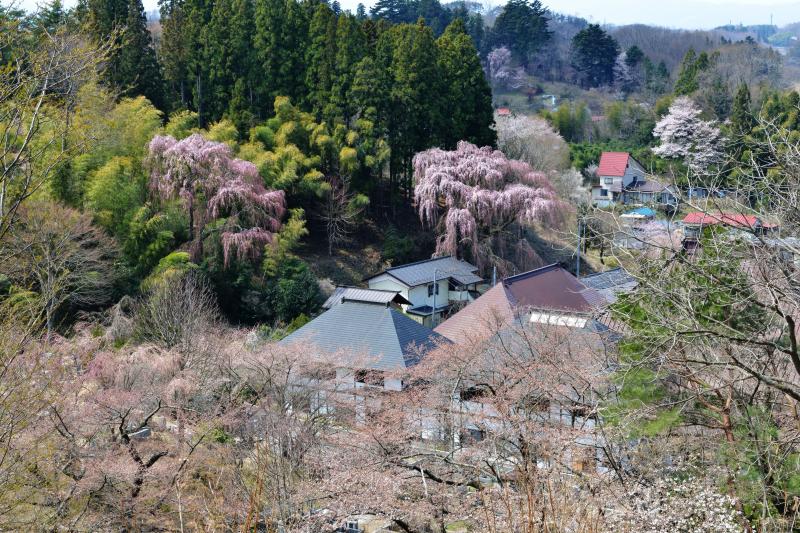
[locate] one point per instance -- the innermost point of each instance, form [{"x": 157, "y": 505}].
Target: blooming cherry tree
[
  {"x": 684, "y": 135},
  {"x": 501, "y": 73},
  {"x": 476, "y": 198},
  {"x": 214, "y": 185}
]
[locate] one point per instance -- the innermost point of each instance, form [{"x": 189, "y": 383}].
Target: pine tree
[
  {"x": 594, "y": 53},
  {"x": 522, "y": 28},
  {"x": 470, "y": 113}
]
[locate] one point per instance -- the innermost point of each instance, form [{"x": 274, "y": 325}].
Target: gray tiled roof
[
  {"x": 385, "y": 337},
  {"x": 421, "y": 272},
  {"x": 357, "y": 294},
  {"x": 610, "y": 283}
]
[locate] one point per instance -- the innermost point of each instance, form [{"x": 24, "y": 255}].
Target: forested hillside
[{"x": 422, "y": 267}]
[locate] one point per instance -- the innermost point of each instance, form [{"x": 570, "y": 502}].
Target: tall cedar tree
[
  {"x": 351, "y": 48},
  {"x": 742, "y": 120},
  {"x": 281, "y": 31},
  {"x": 686, "y": 83},
  {"x": 416, "y": 96},
  {"x": 230, "y": 61},
  {"x": 522, "y": 28},
  {"x": 594, "y": 53},
  {"x": 320, "y": 58},
  {"x": 132, "y": 68},
  {"x": 470, "y": 114}
]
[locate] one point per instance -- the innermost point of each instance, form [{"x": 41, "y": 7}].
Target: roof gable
[
  {"x": 549, "y": 288},
  {"x": 553, "y": 288},
  {"x": 357, "y": 294},
  {"x": 613, "y": 164},
  {"x": 422, "y": 272},
  {"x": 386, "y": 338}
]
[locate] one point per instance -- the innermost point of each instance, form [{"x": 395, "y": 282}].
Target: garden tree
[
  {"x": 594, "y": 53},
  {"x": 132, "y": 67},
  {"x": 488, "y": 199},
  {"x": 521, "y": 27},
  {"x": 58, "y": 254},
  {"x": 176, "y": 310},
  {"x": 470, "y": 115},
  {"x": 215, "y": 186},
  {"x": 501, "y": 74},
  {"x": 683, "y": 134},
  {"x": 321, "y": 58},
  {"x": 37, "y": 92}
]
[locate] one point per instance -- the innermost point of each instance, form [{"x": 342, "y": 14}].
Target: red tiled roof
[
  {"x": 729, "y": 219},
  {"x": 503, "y": 111},
  {"x": 613, "y": 164}
]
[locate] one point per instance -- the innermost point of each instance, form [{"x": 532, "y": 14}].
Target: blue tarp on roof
[{"x": 643, "y": 212}]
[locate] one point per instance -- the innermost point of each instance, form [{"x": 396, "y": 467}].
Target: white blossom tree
[{"x": 685, "y": 135}]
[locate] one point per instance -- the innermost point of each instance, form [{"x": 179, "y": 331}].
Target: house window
[
  {"x": 369, "y": 377},
  {"x": 608, "y": 181},
  {"x": 433, "y": 287}
]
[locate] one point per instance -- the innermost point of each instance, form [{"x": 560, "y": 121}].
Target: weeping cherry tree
[
  {"x": 216, "y": 186},
  {"x": 479, "y": 202}
]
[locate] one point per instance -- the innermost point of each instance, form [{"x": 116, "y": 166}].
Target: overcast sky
[{"x": 671, "y": 13}]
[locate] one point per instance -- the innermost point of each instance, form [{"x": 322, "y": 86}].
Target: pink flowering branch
[
  {"x": 473, "y": 194},
  {"x": 233, "y": 189}
]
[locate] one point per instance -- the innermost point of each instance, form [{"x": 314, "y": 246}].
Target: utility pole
[
  {"x": 435, "y": 290},
  {"x": 578, "y": 249}
]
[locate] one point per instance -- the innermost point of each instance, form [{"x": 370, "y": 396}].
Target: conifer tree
[
  {"x": 228, "y": 50},
  {"x": 470, "y": 112},
  {"x": 742, "y": 120},
  {"x": 320, "y": 58},
  {"x": 132, "y": 67},
  {"x": 351, "y": 47},
  {"x": 687, "y": 76}
]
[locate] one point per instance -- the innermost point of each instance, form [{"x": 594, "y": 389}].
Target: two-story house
[
  {"x": 623, "y": 180},
  {"x": 431, "y": 286}
]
